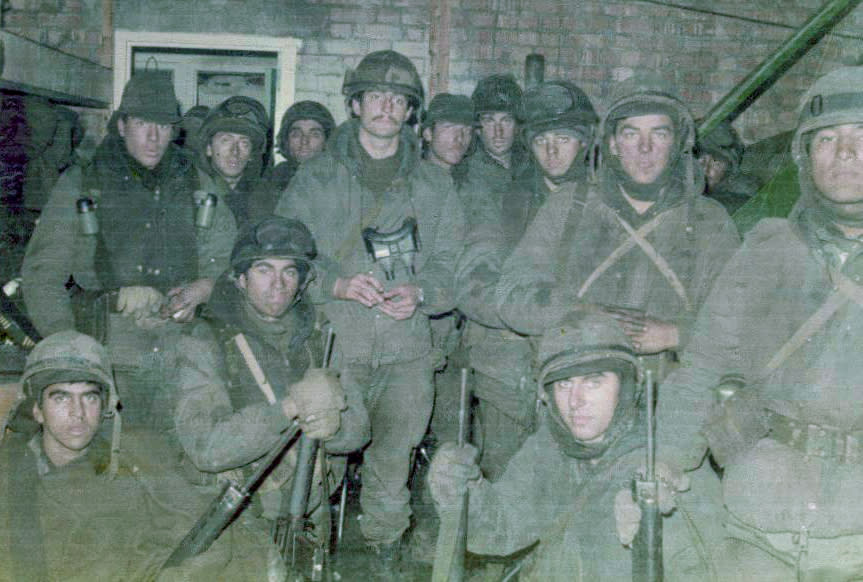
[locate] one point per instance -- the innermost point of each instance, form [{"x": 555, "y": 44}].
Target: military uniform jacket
[
  {"x": 596, "y": 249},
  {"x": 146, "y": 234},
  {"x": 567, "y": 505},
  {"x": 785, "y": 272},
  {"x": 327, "y": 195},
  {"x": 75, "y": 523},
  {"x": 222, "y": 418}
]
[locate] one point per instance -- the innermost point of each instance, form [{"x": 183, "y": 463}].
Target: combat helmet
[
  {"x": 237, "y": 114},
  {"x": 557, "y": 105},
  {"x": 385, "y": 70},
  {"x": 497, "y": 93},
  {"x": 70, "y": 356},
  {"x": 834, "y": 99},
  {"x": 580, "y": 344},
  {"x": 724, "y": 143},
  {"x": 449, "y": 107},
  {"x": 299, "y": 111},
  {"x": 278, "y": 238}
]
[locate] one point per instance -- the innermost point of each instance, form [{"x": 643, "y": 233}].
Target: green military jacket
[
  {"x": 769, "y": 292},
  {"x": 153, "y": 216},
  {"x": 222, "y": 419},
  {"x": 77, "y": 523},
  {"x": 567, "y": 505},
  {"x": 592, "y": 248},
  {"x": 327, "y": 195}
]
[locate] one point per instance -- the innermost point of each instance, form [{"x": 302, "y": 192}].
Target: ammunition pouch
[
  {"x": 735, "y": 427},
  {"x": 90, "y": 310},
  {"x": 815, "y": 440},
  {"x": 392, "y": 249}
]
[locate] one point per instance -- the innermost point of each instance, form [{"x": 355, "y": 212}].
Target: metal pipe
[{"x": 763, "y": 77}]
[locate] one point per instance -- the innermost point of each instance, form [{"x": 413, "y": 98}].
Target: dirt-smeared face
[
  {"x": 271, "y": 285},
  {"x": 836, "y": 155},
  {"x": 644, "y": 145}
]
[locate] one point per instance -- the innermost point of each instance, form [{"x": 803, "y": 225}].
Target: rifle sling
[{"x": 844, "y": 292}]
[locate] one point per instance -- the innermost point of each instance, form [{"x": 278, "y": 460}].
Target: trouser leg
[{"x": 399, "y": 400}]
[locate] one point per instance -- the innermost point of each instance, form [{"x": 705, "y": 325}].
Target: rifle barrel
[{"x": 763, "y": 76}]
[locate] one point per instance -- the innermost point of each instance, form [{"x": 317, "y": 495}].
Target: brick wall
[{"x": 593, "y": 42}]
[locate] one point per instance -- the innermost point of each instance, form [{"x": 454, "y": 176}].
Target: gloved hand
[
  {"x": 627, "y": 512},
  {"x": 318, "y": 400},
  {"x": 451, "y": 469},
  {"x": 139, "y": 301}
]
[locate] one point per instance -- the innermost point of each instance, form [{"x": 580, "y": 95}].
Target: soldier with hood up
[
  {"x": 644, "y": 246},
  {"x": 559, "y": 123},
  {"x": 720, "y": 154},
  {"x": 784, "y": 320},
  {"x": 562, "y": 487}
]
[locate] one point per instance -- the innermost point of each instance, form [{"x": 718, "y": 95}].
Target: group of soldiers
[{"x": 566, "y": 259}]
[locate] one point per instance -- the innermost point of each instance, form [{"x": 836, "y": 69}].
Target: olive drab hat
[
  {"x": 274, "y": 237},
  {"x": 150, "y": 96},
  {"x": 304, "y": 110},
  {"x": 238, "y": 114},
  {"x": 385, "y": 70},
  {"x": 834, "y": 99},
  {"x": 557, "y": 105},
  {"x": 497, "y": 93},
  {"x": 449, "y": 107}
]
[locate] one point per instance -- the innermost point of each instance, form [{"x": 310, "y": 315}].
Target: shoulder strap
[
  {"x": 844, "y": 292},
  {"x": 255, "y": 367}
]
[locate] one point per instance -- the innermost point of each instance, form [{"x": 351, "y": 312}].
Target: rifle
[
  {"x": 292, "y": 529},
  {"x": 228, "y": 505},
  {"x": 16, "y": 325},
  {"x": 647, "y": 545},
  {"x": 452, "y": 534}
]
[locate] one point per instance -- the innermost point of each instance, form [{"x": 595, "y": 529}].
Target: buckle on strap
[{"x": 816, "y": 440}]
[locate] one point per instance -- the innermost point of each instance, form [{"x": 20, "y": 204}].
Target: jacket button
[{"x": 811, "y": 506}]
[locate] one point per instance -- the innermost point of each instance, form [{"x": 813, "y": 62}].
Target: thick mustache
[{"x": 384, "y": 116}]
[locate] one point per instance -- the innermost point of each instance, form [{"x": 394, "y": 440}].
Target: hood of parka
[
  {"x": 344, "y": 143},
  {"x": 646, "y": 95},
  {"x": 580, "y": 344},
  {"x": 834, "y": 99}
]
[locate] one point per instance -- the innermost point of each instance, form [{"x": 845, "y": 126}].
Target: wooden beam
[{"x": 439, "y": 47}]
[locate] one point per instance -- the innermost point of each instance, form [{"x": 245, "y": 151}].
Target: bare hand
[
  {"x": 648, "y": 334},
  {"x": 362, "y": 288},
  {"x": 182, "y": 301},
  {"x": 401, "y": 301}
]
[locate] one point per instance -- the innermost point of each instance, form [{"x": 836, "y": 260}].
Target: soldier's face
[
  {"x": 556, "y": 150},
  {"x": 643, "y": 144},
  {"x": 714, "y": 169},
  {"x": 270, "y": 285},
  {"x": 146, "y": 141},
  {"x": 382, "y": 113},
  {"x": 497, "y": 132},
  {"x": 836, "y": 154},
  {"x": 230, "y": 154},
  {"x": 306, "y": 139},
  {"x": 448, "y": 142},
  {"x": 70, "y": 414},
  {"x": 587, "y": 404}
]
